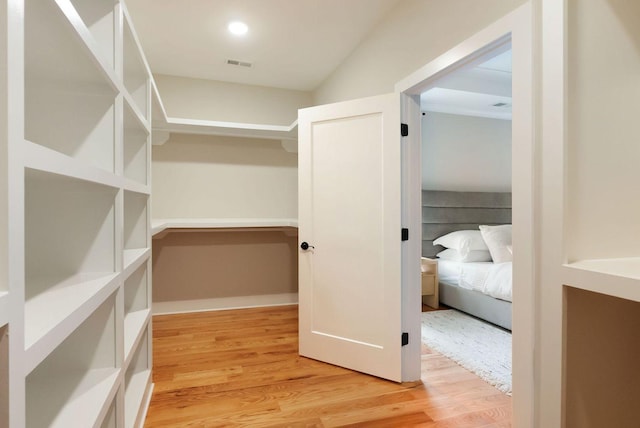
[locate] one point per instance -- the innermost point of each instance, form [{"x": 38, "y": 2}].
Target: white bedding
[{"x": 493, "y": 279}]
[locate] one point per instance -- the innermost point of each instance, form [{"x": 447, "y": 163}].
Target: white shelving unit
[
  {"x": 76, "y": 148},
  {"x": 137, "y": 378},
  {"x": 601, "y": 276},
  {"x": 76, "y": 383}
]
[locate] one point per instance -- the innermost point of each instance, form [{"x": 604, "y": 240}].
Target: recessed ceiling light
[{"x": 238, "y": 28}]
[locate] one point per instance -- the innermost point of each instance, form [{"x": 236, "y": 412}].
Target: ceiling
[
  {"x": 482, "y": 91},
  {"x": 292, "y": 44}
]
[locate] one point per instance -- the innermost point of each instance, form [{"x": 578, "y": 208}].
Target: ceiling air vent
[{"x": 239, "y": 63}]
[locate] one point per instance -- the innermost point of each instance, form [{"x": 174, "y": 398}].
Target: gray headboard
[{"x": 444, "y": 212}]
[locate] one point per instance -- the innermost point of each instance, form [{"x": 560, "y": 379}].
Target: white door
[{"x": 349, "y": 161}]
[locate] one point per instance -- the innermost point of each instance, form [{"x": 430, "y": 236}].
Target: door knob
[{"x": 305, "y": 246}]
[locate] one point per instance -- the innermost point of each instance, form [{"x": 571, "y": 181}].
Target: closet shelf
[
  {"x": 83, "y": 54},
  {"x": 141, "y": 120},
  {"x": 4, "y": 308},
  {"x": 44, "y": 159},
  {"x": 54, "y": 311},
  {"x": 229, "y": 129},
  {"x": 133, "y": 259},
  {"x": 87, "y": 37},
  {"x": 90, "y": 400},
  {"x": 135, "y": 393},
  {"x": 619, "y": 277},
  {"x": 135, "y": 324},
  {"x": 159, "y": 225},
  {"x": 135, "y": 187},
  {"x": 163, "y": 122}
]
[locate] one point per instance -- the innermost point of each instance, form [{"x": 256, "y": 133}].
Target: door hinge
[
  {"x": 405, "y": 339},
  {"x": 405, "y": 234},
  {"x": 404, "y": 129}
]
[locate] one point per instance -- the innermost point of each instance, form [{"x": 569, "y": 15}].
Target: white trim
[
  {"x": 224, "y": 303},
  {"x": 411, "y": 249},
  {"x": 551, "y": 206},
  {"x": 516, "y": 28}
]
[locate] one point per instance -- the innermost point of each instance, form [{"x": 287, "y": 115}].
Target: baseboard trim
[{"x": 224, "y": 303}]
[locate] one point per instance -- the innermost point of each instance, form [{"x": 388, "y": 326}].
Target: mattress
[{"x": 492, "y": 279}]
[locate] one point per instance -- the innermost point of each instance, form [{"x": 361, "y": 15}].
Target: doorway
[{"x": 513, "y": 30}]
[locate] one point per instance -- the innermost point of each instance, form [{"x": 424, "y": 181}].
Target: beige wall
[
  {"x": 229, "y": 102},
  {"x": 603, "y": 148},
  {"x": 603, "y": 380},
  {"x": 414, "y": 33},
  {"x": 465, "y": 154},
  {"x": 218, "y": 264},
  {"x": 197, "y": 176}
]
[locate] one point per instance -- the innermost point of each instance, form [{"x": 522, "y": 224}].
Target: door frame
[{"x": 516, "y": 29}]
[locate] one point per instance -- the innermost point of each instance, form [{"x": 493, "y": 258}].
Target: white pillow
[
  {"x": 498, "y": 239},
  {"x": 471, "y": 256},
  {"x": 463, "y": 241}
]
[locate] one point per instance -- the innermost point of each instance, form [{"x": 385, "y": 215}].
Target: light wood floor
[{"x": 241, "y": 368}]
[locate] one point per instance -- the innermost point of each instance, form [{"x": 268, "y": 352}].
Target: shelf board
[
  {"x": 163, "y": 122},
  {"x": 618, "y": 277},
  {"x": 159, "y": 225},
  {"x": 89, "y": 400},
  {"x": 55, "y": 309},
  {"x": 89, "y": 39},
  {"x": 134, "y": 327},
  {"x": 230, "y": 129},
  {"x": 133, "y": 259},
  {"x": 44, "y": 159},
  {"x": 4, "y": 308},
  {"x": 83, "y": 54},
  {"x": 135, "y": 187},
  {"x": 141, "y": 120},
  {"x": 134, "y": 394}
]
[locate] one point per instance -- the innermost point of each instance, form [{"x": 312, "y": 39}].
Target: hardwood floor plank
[{"x": 242, "y": 368}]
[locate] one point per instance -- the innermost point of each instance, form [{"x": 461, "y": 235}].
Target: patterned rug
[{"x": 480, "y": 347}]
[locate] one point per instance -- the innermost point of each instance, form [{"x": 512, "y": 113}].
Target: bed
[{"x": 444, "y": 212}]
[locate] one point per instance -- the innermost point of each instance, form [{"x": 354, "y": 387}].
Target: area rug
[{"x": 480, "y": 347}]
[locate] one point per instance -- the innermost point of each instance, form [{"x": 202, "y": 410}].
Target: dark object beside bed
[{"x": 444, "y": 212}]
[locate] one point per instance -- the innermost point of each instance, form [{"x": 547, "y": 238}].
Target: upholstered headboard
[{"x": 444, "y": 212}]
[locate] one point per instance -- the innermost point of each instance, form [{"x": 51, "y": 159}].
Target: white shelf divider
[
  {"x": 133, "y": 259},
  {"x": 135, "y": 75},
  {"x": 111, "y": 419},
  {"x": 137, "y": 388},
  {"x": 136, "y": 141},
  {"x": 137, "y": 382},
  {"x": 85, "y": 405},
  {"x": 135, "y": 187},
  {"x": 99, "y": 37},
  {"x": 135, "y": 325},
  {"x": 52, "y": 315},
  {"x": 76, "y": 383},
  {"x": 47, "y": 160}
]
